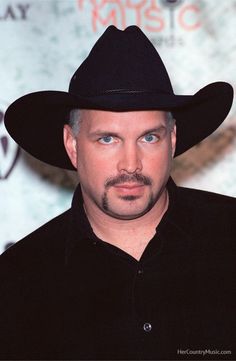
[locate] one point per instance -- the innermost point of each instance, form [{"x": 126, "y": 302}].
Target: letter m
[{"x": 107, "y": 17}]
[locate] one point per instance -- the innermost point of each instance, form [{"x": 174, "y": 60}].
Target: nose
[{"x": 130, "y": 159}]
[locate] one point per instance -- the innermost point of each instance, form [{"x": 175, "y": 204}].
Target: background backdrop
[{"x": 42, "y": 43}]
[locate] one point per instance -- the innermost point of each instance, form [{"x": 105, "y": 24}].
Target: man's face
[{"x": 123, "y": 159}]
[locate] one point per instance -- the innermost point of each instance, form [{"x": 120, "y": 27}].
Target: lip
[
  {"x": 129, "y": 186},
  {"x": 130, "y": 189}
]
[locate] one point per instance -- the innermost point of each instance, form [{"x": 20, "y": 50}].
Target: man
[{"x": 137, "y": 268}]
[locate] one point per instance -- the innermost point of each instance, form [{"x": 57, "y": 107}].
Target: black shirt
[{"x": 69, "y": 295}]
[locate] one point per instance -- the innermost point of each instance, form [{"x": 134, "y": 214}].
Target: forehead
[{"x": 134, "y": 121}]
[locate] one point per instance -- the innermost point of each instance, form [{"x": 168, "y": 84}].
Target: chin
[
  {"x": 128, "y": 214},
  {"x": 126, "y": 217},
  {"x": 128, "y": 206}
]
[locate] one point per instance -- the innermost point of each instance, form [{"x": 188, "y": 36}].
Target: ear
[
  {"x": 70, "y": 144},
  {"x": 173, "y": 140}
]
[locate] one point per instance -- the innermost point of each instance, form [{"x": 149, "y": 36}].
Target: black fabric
[{"x": 65, "y": 294}]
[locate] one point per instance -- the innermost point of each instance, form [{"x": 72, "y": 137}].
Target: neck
[{"x": 132, "y": 236}]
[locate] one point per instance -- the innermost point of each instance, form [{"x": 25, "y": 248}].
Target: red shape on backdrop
[{"x": 182, "y": 20}]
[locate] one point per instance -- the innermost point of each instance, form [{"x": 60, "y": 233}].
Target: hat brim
[{"x": 35, "y": 121}]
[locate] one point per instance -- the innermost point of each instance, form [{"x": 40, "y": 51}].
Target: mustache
[{"x": 128, "y": 178}]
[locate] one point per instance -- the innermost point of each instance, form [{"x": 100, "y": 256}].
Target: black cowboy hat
[{"x": 123, "y": 72}]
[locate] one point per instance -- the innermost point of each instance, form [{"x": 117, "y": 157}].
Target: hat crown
[{"x": 121, "y": 61}]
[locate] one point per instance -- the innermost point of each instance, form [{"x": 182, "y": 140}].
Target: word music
[{"x": 151, "y": 15}]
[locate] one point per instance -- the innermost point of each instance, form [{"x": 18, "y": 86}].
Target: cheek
[
  {"x": 158, "y": 168},
  {"x": 159, "y": 161},
  {"x": 92, "y": 168}
]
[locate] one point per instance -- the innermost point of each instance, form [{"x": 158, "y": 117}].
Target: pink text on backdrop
[{"x": 150, "y": 15}]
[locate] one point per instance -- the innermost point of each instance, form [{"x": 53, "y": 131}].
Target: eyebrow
[
  {"x": 102, "y": 133},
  {"x": 154, "y": 130}
]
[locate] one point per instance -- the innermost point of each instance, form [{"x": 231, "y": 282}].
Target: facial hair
[{"x": 127, "y": 178}]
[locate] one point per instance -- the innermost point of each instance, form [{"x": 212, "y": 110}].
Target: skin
[{"x": 123, "y": 160}]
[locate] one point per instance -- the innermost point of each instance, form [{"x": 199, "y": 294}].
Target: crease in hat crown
[{"x": 116, "y": 54}]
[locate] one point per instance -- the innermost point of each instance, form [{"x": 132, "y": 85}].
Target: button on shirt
[{"x": 147, "y": 327}]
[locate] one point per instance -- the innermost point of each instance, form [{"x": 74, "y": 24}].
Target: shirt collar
[{"x": 80, "y": 233}]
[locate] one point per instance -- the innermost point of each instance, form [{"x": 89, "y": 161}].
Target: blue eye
[
  {"x": 150, "y": 138},
  {"x": 107, "y": 139}
]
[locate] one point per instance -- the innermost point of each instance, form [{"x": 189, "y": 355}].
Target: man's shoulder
[
  {"x": 45, "y": 243},
  {"x": 206, "y": 216},
  {"x": 205, "y": 199}
]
